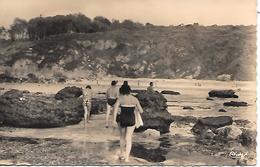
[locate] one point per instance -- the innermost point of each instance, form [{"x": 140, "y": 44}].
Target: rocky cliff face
[{"x": 161, "y": 52}]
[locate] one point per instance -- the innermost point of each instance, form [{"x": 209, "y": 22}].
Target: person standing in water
[
  {"x": 87, "y": 96},
  {"x": 150, "y": 88},
  {"x": 128, "y": 118},
  {"x": 112, "y": 95}
]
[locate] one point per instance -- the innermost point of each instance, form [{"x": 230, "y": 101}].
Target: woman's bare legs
[
  {"x": 89, "y": 110},
  {"x": 122, "y": 140},
  {"x": 85, "y": 113},
  {"x": 107, "y": 115},
  {"x": 128, "y": 138}
]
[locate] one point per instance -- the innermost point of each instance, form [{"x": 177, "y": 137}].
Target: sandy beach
[{"x": 94, "y": 144}]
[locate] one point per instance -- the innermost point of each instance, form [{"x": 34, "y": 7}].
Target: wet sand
[{"x": 94, "y": 144}]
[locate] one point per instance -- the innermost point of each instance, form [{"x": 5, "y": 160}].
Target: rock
[
  {"x": 208, "y": 98},
  {"x": 236, "y": 104},
  {"x": 138, "y": 91},
  {"x": 155, "y": 114},
  {"x": 151, "y": 133},
  {"x": 208, "y": 134},
  {"x": 7, "y": 78},
  {"x": 69, "y": 92},
  {"x": 102, "y": 93},
  {"x": 211, "y": 123},
  {"x": 98, "y": 106},
  {"x": 26, "y": 91},
  {"x": 242, "y": 122},
  {"x": 169, "y": 92},
  {"x": 187, "y": 108},
  {"x": 25, "y": 110},
  {"x": 32, "y": 78},
  {"x": 38, "y": 93},
  {"x": 223, "y": 93},
  {"x": 13, "y": 93},
  {"x": 61, "y": 80},
  {"x": 229, "y": 132},
  {"x": 184, "y": 119},
  {"x": 2, "y": 88},
  {"x": 222, "y": 110},
  {"x": 247, "y": 138}
]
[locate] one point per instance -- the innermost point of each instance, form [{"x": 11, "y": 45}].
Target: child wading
[{"x": 87, "y": 96}]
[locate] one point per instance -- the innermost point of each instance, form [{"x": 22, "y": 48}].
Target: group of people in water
[{"x": 126, "y": 113}]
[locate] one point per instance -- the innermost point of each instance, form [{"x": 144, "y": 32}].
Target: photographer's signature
[{"x": 237, "y": 155}]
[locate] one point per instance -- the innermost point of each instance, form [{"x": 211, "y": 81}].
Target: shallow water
[{"x": 179, "y": 147}]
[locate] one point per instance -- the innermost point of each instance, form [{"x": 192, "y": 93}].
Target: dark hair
[
  {"x": 88, "y": 87},
  {"x": 113, "y": 83},
  {"x": 125, "y": 90},
  {"x": 151, "y": 83},
  {"x": 125, "y": 83}
]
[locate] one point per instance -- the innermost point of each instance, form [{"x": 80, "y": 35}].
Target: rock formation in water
[
  {"x": 236, "y": 104},
  {"x": 68, "y": 92},
  {"x": 155, "y": 114},
  {"x": 223, "y": 94},
  {"x": 34, "y": 111},
  {"x": 211, "y": 123},
  {"x": 169, "y": 92}
]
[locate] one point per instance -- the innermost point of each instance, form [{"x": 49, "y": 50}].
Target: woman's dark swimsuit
[
  {"x": 111, "y": 102},
  {"x": 126, "y": 117}
]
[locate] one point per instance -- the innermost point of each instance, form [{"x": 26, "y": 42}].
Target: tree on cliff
[{"x": 18, "y": 29}]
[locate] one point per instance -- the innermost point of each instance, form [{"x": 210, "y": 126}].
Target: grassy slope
[{"x": 166, "y": 52}]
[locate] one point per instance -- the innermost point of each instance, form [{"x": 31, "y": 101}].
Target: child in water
[{"x": 87, "y": 96}]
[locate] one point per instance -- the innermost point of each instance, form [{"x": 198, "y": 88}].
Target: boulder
[
  {"x": 155, "y": 115},
  {"x": 68, "y": 92},
  {"x": 208, "y": 134},
  {"x": 98, "y": 106},
  {"x": 32, "y": 111},
  {"x": 7, "y": 78},
  {"x": 229, "y": 132},
  {"x": 247, "y": 138},
  {"x": 208, "y": 98},
  {"x": 169, "y": 92},
  {"x": 138, "y": 91},
  {"x": 32, "y": 78},
  {"x": 212, "y": 123},
  {"x": 236, "y": 104},
  {"x": 26, "y": 91},
  {"x": 222, "y": 110},
  {"x": 38, "y": 93},
  {"x": 223, "y": 94},
  {"x": 151, "y": 133},
  {"x": 188, "y": 108}
]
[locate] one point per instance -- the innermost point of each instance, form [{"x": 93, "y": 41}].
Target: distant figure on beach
[
  {"x": 127, "y": 119},
  {"x": 112, "y": 95},
  {"x": 87, "y": 96},
  {"x": 150, "y": 88}
]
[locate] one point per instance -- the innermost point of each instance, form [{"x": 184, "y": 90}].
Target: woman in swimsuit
[
  {"x": 112, "y": 95},
  {"x": 127, "y": 119}
]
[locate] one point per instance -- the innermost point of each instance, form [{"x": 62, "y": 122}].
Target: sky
[{"x": 159, "y": 12}]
